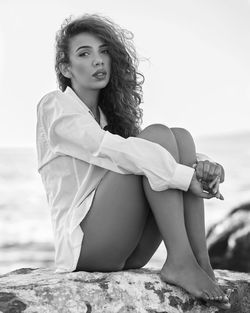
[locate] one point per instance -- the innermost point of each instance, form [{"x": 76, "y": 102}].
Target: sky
[{"x": 194, "y": 56}]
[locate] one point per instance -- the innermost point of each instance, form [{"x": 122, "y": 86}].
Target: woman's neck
[{"x": 89, "y": 97}]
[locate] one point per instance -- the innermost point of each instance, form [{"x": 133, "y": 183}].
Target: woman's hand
[
  {"x": 207, "y": 171},
  {"x": 197, "y": 189},
  {"x": 210, "y": 175}
]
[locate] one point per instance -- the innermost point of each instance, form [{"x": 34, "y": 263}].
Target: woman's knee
[
  {"x": 163, "y": 135},
  {"x": 182, "y": 132},
  {"x": 186, "y": 145},
  {"x": 157, "y": 132}
]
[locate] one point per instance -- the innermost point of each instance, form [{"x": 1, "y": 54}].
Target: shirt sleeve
[
  {"x": 72, "y": 131},
  {"x": 203, "y": 157}
]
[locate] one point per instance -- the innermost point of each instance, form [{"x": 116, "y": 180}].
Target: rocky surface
[
  {"x": 229, "y": 241},
  {"x": 43, "y": 291}
]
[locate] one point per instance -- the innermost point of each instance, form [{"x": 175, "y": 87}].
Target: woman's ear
[{"x": 65, "y": 70}]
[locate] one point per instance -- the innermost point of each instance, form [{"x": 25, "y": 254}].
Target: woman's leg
[
  {"x": 140, "y": 246},
  {"x": 193, "y": 214},
  {"x": 147, "y": 246},
  {"x": 114, "y": 225},
  {"x": 168, "y": 209},
  {"x": 193, "y": 206}
]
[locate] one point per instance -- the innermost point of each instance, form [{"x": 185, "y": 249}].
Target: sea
[{"x": 26, "y": 238}]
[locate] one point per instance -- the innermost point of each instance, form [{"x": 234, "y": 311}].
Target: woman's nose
[{"x": 98, "y": 61}]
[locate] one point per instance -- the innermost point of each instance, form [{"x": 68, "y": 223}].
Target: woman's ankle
[
  {"x": 202, "y": 258},
  {"x": 180, "y": 261}
]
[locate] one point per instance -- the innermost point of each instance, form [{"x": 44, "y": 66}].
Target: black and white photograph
[{"x": 124, "y": 156}]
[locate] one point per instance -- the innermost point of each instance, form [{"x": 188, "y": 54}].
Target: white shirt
[{"x": 75, "y": 152}]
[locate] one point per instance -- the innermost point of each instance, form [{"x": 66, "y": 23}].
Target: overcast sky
[{"x": 195, "y": 58}]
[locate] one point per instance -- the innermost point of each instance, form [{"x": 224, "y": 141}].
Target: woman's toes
[
  {"x": 211, "y": 296},
  {"x": 219, "y": 294},
  {"x": 215, "y": 294},
  {"x": 205, "y": 296}
]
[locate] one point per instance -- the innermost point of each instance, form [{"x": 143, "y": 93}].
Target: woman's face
[{"x": 90, "y": 61}]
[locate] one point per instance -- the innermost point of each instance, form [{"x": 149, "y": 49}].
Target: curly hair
[{"x": 121, "y": 98}]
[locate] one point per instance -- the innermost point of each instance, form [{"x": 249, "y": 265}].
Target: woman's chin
[{"x": 101, "y": 84}]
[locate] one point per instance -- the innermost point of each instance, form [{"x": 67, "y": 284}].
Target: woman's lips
[{"x": 100, "y": 73}]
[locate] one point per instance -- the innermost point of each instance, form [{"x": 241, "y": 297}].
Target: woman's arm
[{"x": 72, "y": 131}]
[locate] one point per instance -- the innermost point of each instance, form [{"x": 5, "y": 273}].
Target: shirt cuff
[
  {"x": 203, "y": 157},
  {"x": 182, "y": 177}
]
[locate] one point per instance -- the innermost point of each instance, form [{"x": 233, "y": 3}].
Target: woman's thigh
[{"x": 114, "y": 224}]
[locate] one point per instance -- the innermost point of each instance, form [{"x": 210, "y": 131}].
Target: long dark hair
[{"x": 121, "y": 98}]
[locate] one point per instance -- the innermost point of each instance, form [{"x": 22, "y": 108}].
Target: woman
[{"x": 117, "y": 191}]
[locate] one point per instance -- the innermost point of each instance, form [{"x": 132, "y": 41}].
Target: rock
[
  {"x": 228, "y": 241},
  {"x": 43, "y": 291}
]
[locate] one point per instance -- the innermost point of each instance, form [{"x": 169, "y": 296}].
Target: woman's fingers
[
  {"x": 215, "y": 188},
  {"x": 206, "y": 195},
  {"x": 199, "y": 170},
  {"x": 197, "y": 188},
  {"x": 219, "y": 171},
  {"x": 208, "y": 176},
  {"x": 221, "y": 197},
  {"x": 213, "y": 183},
  {"x": 211, "y": 171},
  {"x": 212, "y": 189},
  {"x": 216, "y": 191},
  {"x": 207, "y": 170}
]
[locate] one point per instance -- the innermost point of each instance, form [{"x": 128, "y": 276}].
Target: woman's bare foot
[
  {"x": 206, "y": 266},
  {"x": 190, "y": 276}
]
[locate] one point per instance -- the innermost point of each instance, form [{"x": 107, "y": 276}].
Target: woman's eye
[
  {"x": 105, "y": 51},
  {"x": 83, "y": 54}
]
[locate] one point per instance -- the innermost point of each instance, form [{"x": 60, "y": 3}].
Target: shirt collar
[
  {"x": 70, "y": 91},
  {"x": 103, "y": 120}
]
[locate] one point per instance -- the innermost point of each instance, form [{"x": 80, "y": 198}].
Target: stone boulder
[
  {"x": 228, "y": 241},
  {"x": 142, "y": 291}
]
